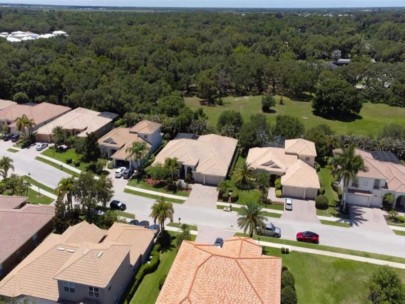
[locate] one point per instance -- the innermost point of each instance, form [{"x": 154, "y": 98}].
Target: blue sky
[{"x": 222, "y": 3}]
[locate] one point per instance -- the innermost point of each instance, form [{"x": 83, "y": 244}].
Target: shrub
[
  {"x": 110, "y": 165},
  {"x": 277, "y": 183},
  {"x": 287, "y": 279},
  {"x": 288, "y": 295},
  {"x": 321, "y": 202},
  {"x": 77, "y": 163},
  {"x": 388, "y": 201},
  {"x": 335, "y": 185},
  {"x": 119, "y": 122},
  {"x": 225, "y": 196},
  {"x": 322, "y": 190},
  {"x": 393, "y": 215},
  {"x": 401, "y": 219},
  {"x": 285, "y": 250},
  {"x": 234, "y": 198},
  {"x": 68, "y": 161},
  {"x": 339, "y": 192},
  {"x": 278, "y": 193}
]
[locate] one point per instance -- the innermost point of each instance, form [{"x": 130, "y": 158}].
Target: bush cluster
[
  {"x": 288, "y": 293},
  {"x": 321, "y": 202}
]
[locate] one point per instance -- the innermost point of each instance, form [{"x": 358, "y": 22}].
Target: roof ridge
[{"x": 247, "y": 278}]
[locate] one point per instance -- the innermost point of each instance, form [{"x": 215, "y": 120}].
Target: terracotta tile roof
[
  {"x": 274, "y": 160},
  {"x": 6, "y": 103},
  {"x": 11, "y": 202},
  {"x": 17, "y": 226},
  {"x": 40, "y": 112},
  {"x": 83, "y": 254},
  {"x": 212, "y": 154},
  {"x": 79, "y": 120},
  {"x": 301, "y": 175},
  {"x": 235, "y": 273},
  {"x": 146, "y": 127},
  {"x": 300, "y": 146}
]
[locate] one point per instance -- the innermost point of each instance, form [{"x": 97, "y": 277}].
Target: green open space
[
  {"x": 125, "y": 214},
  {"x": 374, "y": 116},
  {"x": 177, "y": 225},
  {"x": 333, "y": 223},
  {"x": 38, "y": 184},
  {"x": 399, "y": 232},
  {"x": 66, "y": 155},
  {"x": 144, "y": 185},
  {"x": 322, "y": 279},
  {"x": 12, "y": 150},
  {"x": 152, "y": 196},
  {"x": 55, "y": 165},
  {"x": 38, "y": 199}
]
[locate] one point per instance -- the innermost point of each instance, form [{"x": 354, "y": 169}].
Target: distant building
[{"x": 19, "y": 36}]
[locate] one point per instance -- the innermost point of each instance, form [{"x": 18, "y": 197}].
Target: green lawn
[
  {"x": 326, "y": 179},
  {"x": 12, "y": 150},
  {"x": 38, "y": 184},
  {"x": 125, "y": 214},
  {"x": 192, "y": 227},
  {"x": 321, "y": 279},
  {"x": 265, "y": 213},
  {"x": 398, "y": 232},
  {"x": 36, "y": 199},
  {"x": 144, "y": 185},
  {"x": 338, "y": 224},
  {"x": 50, "y": 163},
  {"x": 152, "y": 196},
  {"x": 63, "y": 156},
  {"x": 374, "y": 116}
]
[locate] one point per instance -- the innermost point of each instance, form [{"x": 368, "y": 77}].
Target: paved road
[{"x": 356, "y": 239}]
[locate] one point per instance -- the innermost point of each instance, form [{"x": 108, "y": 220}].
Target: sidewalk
[
  {"x": 62, "y": 164},
  {"x": 334, "y": 254},
  {"x": 136, "y": 189},
  {"x": 175, "y": 229},
  {"x": 42, "y": 191}
]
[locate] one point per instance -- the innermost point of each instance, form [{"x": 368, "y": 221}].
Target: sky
[{"x": 222, "y": 3}]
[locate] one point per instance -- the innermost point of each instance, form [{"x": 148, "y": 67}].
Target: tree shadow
[
  {"x": 304, "y": 97},
  {"x": 345, "y": 118},
  {"x": 166, "y": 241}
]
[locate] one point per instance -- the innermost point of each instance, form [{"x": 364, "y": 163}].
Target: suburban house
[
  {"x": 6, "y": 103},
  {"x": 40, "y": 113},
  {"x": 85, "y": 264},
  {"x": 294, "y": 163},
  {"x": 22, "y": 227},
  {"x": 381, "y": 177},
  {"x": 235, "y": 273},
  {"x": 115, "y": 143},
  {"x": 207, "y": 157},
  {"x": 79, "y": 122}
]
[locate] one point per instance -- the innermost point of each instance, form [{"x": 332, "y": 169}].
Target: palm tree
[
  {"x": 345, "y": 166},
  {"x": 251, "y": 217},
  {"x": 25, "y": 124},
  {"x": 59, "y": 136},
  {"x": 172, "y": 165},
  {"x": 137, "y": 151},
  {"x": 66, "y": 187},
  {"x": 162, "y": 210},
  {"x": 6, "y": 163},
  {"x": 244, "y": 176}
]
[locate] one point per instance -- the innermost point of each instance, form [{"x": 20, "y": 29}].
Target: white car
[
  {"x": 119, "y": 172},
  {"x": 41, "y": 146},
  {"x": 288, "y": 204}
]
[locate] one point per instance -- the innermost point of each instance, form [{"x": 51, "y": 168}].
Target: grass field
[
  {"x": 35, "y": 198},
  {"x": 321, "y": 279},
  {"x": 63, "y": 156},
  {"x": 374, "y": 116}
]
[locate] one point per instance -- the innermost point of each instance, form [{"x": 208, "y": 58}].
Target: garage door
[
  {"x": 357, "y": 200},
  {"x": 293, "y": 192},
  {"x": 207, "y": 179},
  {"x": 376, "y": 202}
]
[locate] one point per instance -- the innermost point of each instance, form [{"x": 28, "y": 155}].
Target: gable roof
[
  {"x": 238, "y": 268},
  {"x": 270, "y": 159},
  {"x": 83, "y": 254},
  {"x": 146, "y": 127},
  {"x": 11, "y": 202},
  {"x": 212, "y": 154},
  {"x": 300, "y": 146},
  {"x": 301, "y": 175}
]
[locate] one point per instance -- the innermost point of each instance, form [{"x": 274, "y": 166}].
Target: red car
[{"x": 308, "y": 236}]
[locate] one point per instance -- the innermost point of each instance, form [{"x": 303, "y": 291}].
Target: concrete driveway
[
  {"x": 303, "y": 210},
  {"x": 369, "y": 219},
  {"x": 208, "y": 235},
  {"x": 203, "y": 196}
]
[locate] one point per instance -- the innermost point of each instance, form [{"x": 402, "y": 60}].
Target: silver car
[
  {"x": 269, "y": 230},
  {"x": 119, "y": 172},
  {"x": 288, "y": 204}
]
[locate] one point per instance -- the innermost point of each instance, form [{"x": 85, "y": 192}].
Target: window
[
  {"x": 355, "y": 183},
  {"x": 69, "y": 287},
  {"x": 94, "y": 292},
  {"x": 377, "y": 184}
]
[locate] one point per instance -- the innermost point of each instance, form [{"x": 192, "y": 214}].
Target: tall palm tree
[
  {"x": 6, "y": 163},
  {"x": 162, "y": 210},
  {"x": 25, "y": 124},
  {"x": 244, "y": 176},
  {"x": 137, "y": 151},
  {"x": 251, "y": 217},
  {"x": 172, "y": 165},
  {"x": 345, "y": 166},
  {"x": 65, "y": 188}
]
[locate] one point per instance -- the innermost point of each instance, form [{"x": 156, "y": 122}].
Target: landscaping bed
[{"x": 158, "y": 186}]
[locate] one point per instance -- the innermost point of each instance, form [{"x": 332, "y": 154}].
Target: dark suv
[
  {"x": 117, "y": 205},
  {"x": 128, "y": 173},
  {"x": 15, "y": 137},
  {"x": 6, "y": 137}
]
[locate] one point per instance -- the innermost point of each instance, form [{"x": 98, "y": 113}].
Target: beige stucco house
[
  {"x": 294, "y": 163},
  {"x": 207, "y": 157},
  {"x": 78, "y": 122},
  {"x": 115, "y": 143},
  {"x": 235, "y": 273},
  {"x": 83, "y": 265}
]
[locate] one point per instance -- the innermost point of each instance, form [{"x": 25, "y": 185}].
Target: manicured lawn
[
  {"x": 192, "y": 227},
  {"x": 125, "y": 214},
  {"x": 144, "y": 185},
  {"x": 50, "y": 163},
  {"x": 338, "y": 224},
  {"x": 152, "y": 196},
  {"x": 13, "y": 150},
  {"x": 398, "y": 232},
  {"x": 38, "y": 184},
  {"x": 374, "y": 116},
  {"x": 63, "y": 156},
  {"x": 36, "y": 199},
  {"x": 321, "y": 279},
  {"x": 265, "y": 213},
  {"x": 274, "y": 206}
]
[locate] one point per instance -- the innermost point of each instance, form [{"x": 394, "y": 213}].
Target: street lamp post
[{"x": 179, "y": 220}]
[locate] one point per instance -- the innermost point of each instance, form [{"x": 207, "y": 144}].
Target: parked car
[
  {"x": 308, "y": 236},
  {"x": 219, "y": 242},
  {"x": 99, "y": 211},
  {"x": 7, "y": 137},
  {"x": 288, "y": 205},
  {"x": 40, "y": 146},
  {"x": 117, "y": 205},
  {"x": 155, "y": 227},
  {"x": 15, "y": 137},
  {"x": 128, "y": 173},
  {"x": 269, "y": 230},
  {"x": 119, "y": 172},
  {"x": 144, "y": 224}
]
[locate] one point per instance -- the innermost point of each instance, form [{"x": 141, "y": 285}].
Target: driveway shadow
[
  {"x": 369, "y": 219},
  {"x": 357, "y": 215}
]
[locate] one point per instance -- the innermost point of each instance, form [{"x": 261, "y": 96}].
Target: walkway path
[
  {"x": 43, "y": 192},
  {"x": 58, "y": 162}
]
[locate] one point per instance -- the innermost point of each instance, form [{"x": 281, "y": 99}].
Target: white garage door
[
  {"x": 293, "y": 192},
  {"x": 357, "y": 200},
  {"x": 376, "y": 201}
]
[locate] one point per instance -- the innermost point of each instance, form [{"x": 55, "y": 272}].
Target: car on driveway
[
  {"x": 308, "y": 236},
  {"x": 128, "y": 173},
  {"x": 269, "y": 230},
  {"x": 40, "y": 146},
  {"x": 119, "y": 172},
  {"x": 15, "y": 137},
  {"x": 288, "y": 205},
  {"x": 7, "y": 137},
  {"x": 117, "y": 205},
  {"x": 219, "y": 242}
]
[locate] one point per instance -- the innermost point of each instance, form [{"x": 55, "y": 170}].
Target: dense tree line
[{"x": 125, "y": 61}]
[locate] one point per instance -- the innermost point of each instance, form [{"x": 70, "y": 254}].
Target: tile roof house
[
  {"x": 207, "y": 157},
  {"x": 380, "y": 178},
  {"x": 84, "y": 264},
  {"x": 40, "y": 113},
  {"x": 116, "y": 142},
  {"x": 6, "y": 103},
  {"x": 235, "y": 273},
  {"x": 294, "y": 163},
  {"x": 22, "y": 228},
  {"x": 79, "y": 122}
]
